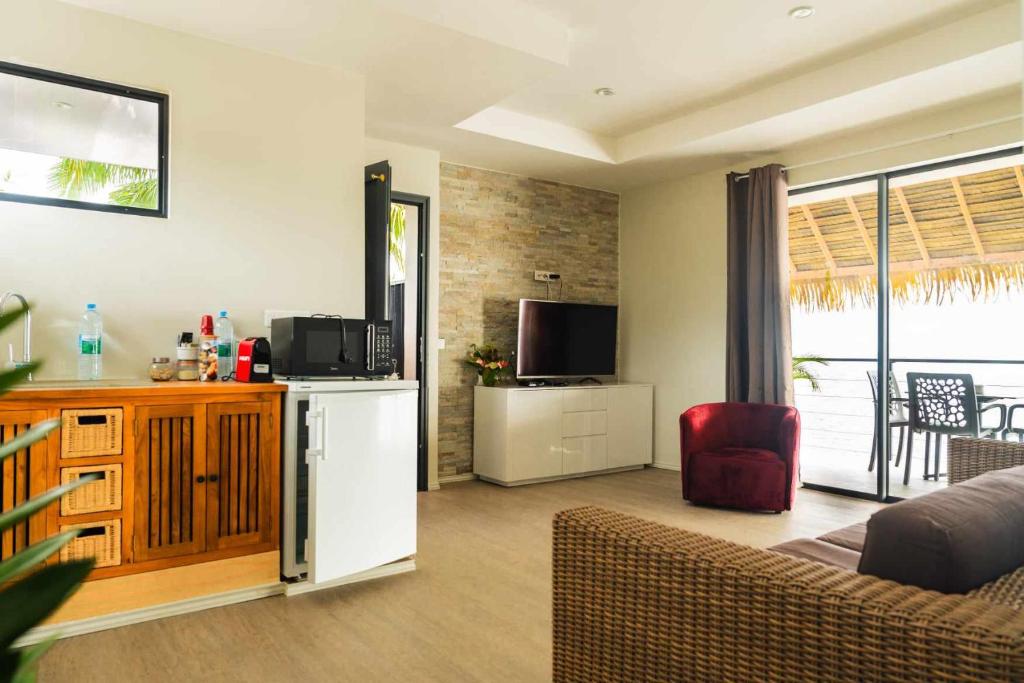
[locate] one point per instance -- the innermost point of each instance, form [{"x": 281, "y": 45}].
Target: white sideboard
[{"x": 528, "y": 434}]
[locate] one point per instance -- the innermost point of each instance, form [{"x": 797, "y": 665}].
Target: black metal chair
[
  {"x": 1010, "y": 428},
  {"x": 898, "y": 418},
  {"x": 946, "y": 404}
]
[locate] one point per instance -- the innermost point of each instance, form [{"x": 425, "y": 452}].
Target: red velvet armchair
[{"x": 740, "y": 455}]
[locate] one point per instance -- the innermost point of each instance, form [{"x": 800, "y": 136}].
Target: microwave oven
[{"x": 331, "y": 346}]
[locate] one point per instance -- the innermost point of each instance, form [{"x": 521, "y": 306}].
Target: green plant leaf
[
  {"x": 9, "y": 378},
  {"x": 36, "y": 433},
  {"x": 29, "y": 657},
  {"x": 10, "y": 317},
  {"x": 26, "y": 559},
  {"x": 29, "y": 601},
  {"x": 33, "y": 505}
]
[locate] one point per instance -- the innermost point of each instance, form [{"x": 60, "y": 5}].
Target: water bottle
[
  {"x": 225, "y": 333},
  {"x": 90, "y": 344}
]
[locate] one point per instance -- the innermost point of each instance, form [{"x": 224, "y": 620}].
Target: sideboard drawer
[
  {"x": 584, "y": 454},
  {"x": 579, "y": 400},
  {"x": 585, "y": 423}
]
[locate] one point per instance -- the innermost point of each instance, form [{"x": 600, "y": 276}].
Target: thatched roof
[{"x": 949, "y": 237}]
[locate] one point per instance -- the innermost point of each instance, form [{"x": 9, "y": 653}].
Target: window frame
[{"x": 162, "y": 101}]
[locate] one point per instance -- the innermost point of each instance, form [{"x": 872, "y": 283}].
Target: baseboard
[
  {"x": 453, "y": 478},
  {"x": 400, "y": 567},
  {"x": 665, "y": 466},
  {"x": 80, "y": 627}
]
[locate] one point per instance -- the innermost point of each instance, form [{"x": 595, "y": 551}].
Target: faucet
[{"x": 27, "y": 340}]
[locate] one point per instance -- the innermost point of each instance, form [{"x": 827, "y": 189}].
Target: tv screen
[{"x": 563, "y": 340}]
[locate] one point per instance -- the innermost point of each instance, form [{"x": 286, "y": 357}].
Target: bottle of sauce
[{"x": 207, "y": 350}]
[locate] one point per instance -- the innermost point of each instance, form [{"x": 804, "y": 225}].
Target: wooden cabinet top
[{"x": 142, "y": 388}]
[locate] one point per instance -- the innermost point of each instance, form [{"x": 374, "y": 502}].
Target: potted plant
[
  {"x": 31, "y": 590},
  {"x": 488, "y": 362}
]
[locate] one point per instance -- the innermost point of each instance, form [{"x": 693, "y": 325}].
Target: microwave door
[{"x": 362, "y": 481}]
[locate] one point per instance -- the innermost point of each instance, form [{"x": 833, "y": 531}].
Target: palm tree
[
  {"x": 135, "y": 186},
  {"x": 802, "y": 370},
  {"x": 396, "y": 235}
]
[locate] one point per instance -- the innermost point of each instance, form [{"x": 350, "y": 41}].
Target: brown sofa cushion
[
  {"x": 952, "y": 540},
  {"x": 819, "y": 551},
  {"x": 850, "y": 537}
]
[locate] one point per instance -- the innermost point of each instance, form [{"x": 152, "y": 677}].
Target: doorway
[
  {"x": 408, "y": 237},
  {"x": 909, "y": 277}
]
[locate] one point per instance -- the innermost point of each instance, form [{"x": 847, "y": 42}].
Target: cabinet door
[
  {"x": 630, "y": 425},
  {"x": 170, "y": 481},
  {"x": 22, "y": 476},
  {"x": 241, "y": 479},
  {"x": 534, "y": 434}
]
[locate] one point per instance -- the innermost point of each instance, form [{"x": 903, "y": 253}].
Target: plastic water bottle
[
  {"x": 90, "y": 344},
  {"x": 225, "y": 333}
]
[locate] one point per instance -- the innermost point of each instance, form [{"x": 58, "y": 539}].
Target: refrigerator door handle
[{"x": 315, "y": 424}]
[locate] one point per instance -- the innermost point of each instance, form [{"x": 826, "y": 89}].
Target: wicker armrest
[
  {"x": 639, "y": 601},
  {"x": 970, "y": 457}
]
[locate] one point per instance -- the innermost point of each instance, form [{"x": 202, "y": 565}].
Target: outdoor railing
[{"x": 838, "y": 420}]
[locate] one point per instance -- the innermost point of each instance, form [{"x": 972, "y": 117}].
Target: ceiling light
[
  {"x": 64, "y": 105},
  {"x": 801, "y": 12},
  {"x": 604, "y": 92}
]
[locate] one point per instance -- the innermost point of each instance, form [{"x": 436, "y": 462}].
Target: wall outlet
[
  {"x": 545, "y": 276},
  {"x": 271, "y": 314}
]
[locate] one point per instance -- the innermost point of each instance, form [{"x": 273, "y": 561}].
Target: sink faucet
[{"x": 27, "y": 323}]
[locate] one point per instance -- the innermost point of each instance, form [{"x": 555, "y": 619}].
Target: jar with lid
[
  {"x": 161, "y": 369},
  {"x": 188, "y": 362}
]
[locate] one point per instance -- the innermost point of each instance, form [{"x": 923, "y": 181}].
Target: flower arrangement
[{"x": 488, "y": 363}]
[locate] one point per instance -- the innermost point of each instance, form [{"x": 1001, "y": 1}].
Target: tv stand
[
  {"x": 523, "y": 435},
  {"x": 590, "y": 380}
]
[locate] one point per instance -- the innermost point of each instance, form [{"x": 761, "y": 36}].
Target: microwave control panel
[{"x": 380, "y": 349}]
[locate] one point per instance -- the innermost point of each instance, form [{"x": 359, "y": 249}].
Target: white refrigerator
[{"x": 359, "y": 454}]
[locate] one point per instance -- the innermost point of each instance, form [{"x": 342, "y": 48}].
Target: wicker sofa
[{"x": 639, "y": 601}]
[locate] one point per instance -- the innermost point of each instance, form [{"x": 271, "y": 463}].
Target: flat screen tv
[{"x": 558, "y": 339}]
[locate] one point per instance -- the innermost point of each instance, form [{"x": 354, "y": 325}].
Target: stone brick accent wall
[{"x": 496, "y": 230}]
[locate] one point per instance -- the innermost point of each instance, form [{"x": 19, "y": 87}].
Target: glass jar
[
  {"x": 160, "y": 369},
  {"x": 188, "y": 369}
]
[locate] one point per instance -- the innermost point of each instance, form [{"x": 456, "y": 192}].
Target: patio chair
[
  {"x": 897, "y": 417},
  {"x": 1010, "y": 427},
  {"x": 946, "y": 404}
]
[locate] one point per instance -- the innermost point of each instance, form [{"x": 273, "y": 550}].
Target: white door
[{"x": 362, "y": 481}]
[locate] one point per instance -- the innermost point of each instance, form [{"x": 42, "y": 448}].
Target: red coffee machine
[{"x": 253, "y": 360}]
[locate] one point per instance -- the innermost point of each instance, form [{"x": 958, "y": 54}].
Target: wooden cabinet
[
  {"x": 199, "y": 472},
  {"x": 170, "y": 481},
  {"x": 240, "y": 481},
  {"x": 22, "y": 476}
]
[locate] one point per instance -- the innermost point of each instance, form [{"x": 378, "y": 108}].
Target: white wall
[
  {"x": 415, "y": 170},
  {"x": 673, "y": 251},
  {"x": 266, "y": 193}
]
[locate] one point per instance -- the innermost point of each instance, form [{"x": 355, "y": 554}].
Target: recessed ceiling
[{"x": 510, "y": 84}]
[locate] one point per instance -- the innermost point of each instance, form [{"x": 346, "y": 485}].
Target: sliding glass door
[{"x": 948, "y": 260}]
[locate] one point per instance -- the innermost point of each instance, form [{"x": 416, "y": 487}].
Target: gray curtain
[{"x": 758, "y": 342}]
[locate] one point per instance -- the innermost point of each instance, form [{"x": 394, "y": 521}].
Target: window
[{"x": 78, "y": 143}]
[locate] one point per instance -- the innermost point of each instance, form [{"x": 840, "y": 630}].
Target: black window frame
[{"x": 162, "y": 101}]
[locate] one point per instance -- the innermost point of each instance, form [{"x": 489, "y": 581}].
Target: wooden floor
[{"x": 477, "y": 608}]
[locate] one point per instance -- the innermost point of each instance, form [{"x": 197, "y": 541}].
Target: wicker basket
[
  {"x": 99, "y": 540},
  {"x": 88, "y": 432},
  {"x": 96, "y": 496}
]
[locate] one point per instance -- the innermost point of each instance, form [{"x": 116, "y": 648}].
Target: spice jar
[
  {"x": 160, "y": 369},
  {"x": 188, "y": 362}
]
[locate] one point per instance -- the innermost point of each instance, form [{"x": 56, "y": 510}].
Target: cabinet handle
[
  {"x": 200, "y": 479},
  {"x": 213, "y": 477}
]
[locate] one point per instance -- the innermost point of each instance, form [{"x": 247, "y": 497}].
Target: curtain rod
[{"x": 895, "y": 145}]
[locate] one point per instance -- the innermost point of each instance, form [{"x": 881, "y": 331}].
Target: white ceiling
[{"x": 508, "y": 84}]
